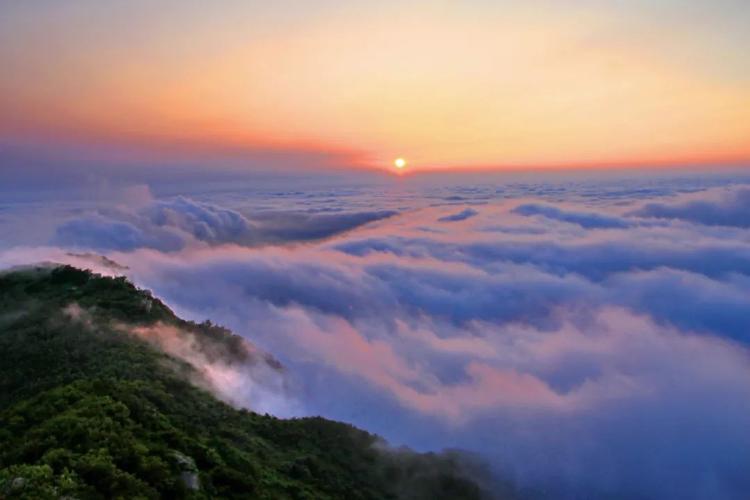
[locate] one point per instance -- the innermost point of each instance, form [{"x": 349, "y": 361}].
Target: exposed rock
[
  {"x": 189, "y": 474},
  {"x": 190, "y": 480},
  {"x": 17, "y": 484}
]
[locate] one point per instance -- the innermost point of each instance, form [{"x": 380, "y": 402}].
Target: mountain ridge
[{"x": 88, "y": 409}]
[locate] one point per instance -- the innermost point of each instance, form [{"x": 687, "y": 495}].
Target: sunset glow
[{"x": 461, "y": 85}]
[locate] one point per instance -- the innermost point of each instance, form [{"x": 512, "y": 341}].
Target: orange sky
[{"x": 443, "y": 84}]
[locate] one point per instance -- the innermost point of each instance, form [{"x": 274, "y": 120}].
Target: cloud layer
[
  {"x": 180, "y": 222},
  {"x": 581, "y": 339},
  {"x": 724, "y": 208}
]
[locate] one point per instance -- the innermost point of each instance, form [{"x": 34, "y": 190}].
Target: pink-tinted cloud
[{"x": 587, "y": 348}]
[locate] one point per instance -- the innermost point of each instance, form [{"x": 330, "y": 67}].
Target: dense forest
[{"x": 88, "y": 410}]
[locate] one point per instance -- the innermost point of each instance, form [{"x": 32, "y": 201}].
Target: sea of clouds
[{"x": 586, "y": 335}]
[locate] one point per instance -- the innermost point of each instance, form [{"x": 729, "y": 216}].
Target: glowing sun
[{"x": 399, "y": 163}]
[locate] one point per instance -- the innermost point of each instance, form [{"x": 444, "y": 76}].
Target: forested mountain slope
[{"x": 90, "y": 410}]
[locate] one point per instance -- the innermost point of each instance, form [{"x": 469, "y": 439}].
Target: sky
[{"x": 252, "y": 85}]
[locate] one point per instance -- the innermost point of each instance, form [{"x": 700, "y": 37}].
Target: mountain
[{"x": 98, "y": 399}]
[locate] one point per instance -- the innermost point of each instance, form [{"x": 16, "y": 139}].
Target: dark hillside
[{"x": 90, "y": 411}]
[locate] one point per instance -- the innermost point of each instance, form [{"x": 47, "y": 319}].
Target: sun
[{"x": 399, "y": 163}]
